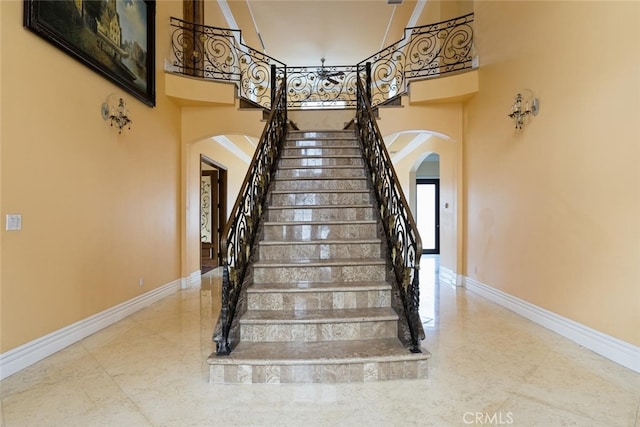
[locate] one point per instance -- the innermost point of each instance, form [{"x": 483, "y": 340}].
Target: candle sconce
[
  {"x": 519, "y": 114},
  {"x": 117, "y": 114}
]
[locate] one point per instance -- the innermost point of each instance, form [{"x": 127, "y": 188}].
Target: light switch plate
[{"x": 14, "y": 222}]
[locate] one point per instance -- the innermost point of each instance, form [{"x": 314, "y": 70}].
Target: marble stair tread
[
  {"x": 331, "y": 222},
  {"x": 321, "y": 147},
  {"x": 320, "y": 191},
  {"x": 339, "y": 262},
  {"x": 331, "y": 137},
  {"x": 301, "y": 287},
  {"x": 314, "y": 178},
  {"x": 342, "y": 206},
  {"x": 317, "y": 242},
  {"x": 284, "y": 167},
  {"x": 320, "y": 352},
  {"x": 340, "y": 315},
  {"x": 323, "y": 156}
]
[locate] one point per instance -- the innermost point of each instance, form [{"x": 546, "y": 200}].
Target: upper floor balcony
[{"x": 425, "y": 53}]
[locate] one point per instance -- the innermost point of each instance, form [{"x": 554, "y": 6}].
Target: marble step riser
[
  {"x": 318, "y": 251},
  {"x": 321, "y": 198},
  {"x": 321, "y": 151},
  {"x": 320, "y": 134},
  {"x": 297, "y": 213},
  {"x": 307, "y": 232},
  {"x": 319, "y": 184},
  {"x": 311, "y": 332},
  {"x": 318, "y": 273},
  {"x": 321, "y": 143},
  {"x": 318, "y": 300},
  {"x": 320, "y": 172},
  {"x": 322, "y": 161},
  {"x": 317, "y": 373}
]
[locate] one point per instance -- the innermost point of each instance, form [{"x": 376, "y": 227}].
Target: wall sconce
[
  {"x": 519, "y": 114},
  {"x": 118, "y": 114}
]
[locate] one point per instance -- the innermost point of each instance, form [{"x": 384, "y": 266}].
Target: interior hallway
[{"x": 489, "y": 366}]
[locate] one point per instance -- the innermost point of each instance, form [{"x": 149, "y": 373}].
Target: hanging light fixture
[
  {"x": 519, "y": 113},
  {"x": 117, "y": 114}
]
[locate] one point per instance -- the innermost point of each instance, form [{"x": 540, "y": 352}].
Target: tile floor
[{"x": 489, "y": 367}]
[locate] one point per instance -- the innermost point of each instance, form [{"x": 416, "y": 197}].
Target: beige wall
[
  {"x": 553, "y": 209},
  {"x": 99, "y": 210}
]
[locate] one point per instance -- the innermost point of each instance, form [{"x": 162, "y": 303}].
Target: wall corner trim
[
  {"x": 614, "y": 349},
  {"x": 27, "y": 354}
]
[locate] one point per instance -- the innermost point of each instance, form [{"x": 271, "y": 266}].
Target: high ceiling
[
  {"x": 300, "y": 32},
  {"x": 344, "y": 32}
]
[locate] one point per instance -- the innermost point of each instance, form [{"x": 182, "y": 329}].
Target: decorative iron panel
[
  {"x": 326, "y": 87},
  {"x": 426, "y": 51},
  {"x": 216, "y": 54}
]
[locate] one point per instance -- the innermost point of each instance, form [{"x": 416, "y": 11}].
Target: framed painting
[{"x": 115, "y": 38}]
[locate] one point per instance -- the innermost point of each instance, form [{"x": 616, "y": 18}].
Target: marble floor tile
[{"x": 488, "y": 366}]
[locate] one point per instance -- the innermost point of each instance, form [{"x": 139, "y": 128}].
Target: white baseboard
[
  {"x": 193, "y": 281},
  {"x": 621, "y": 352},
  {"x": 27, "y": 354}
]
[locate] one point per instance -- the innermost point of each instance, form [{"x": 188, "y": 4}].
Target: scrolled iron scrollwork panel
[
  {"x": 329, "y": 87},
  {"x": 426, "y": 51},
  {"x": 215, "y": 53},
  {"x": 208, "y": 52}
]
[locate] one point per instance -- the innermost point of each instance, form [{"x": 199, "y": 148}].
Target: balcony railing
[
  {"x": 428, "y": 51},
  {"x": 218, "y": 54}
]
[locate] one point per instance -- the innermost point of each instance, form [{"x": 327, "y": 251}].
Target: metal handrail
[
  {"x": 402, "y": 237},
  {"x": 239, "y": 234}
]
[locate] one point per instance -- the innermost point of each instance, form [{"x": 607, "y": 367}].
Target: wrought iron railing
[
  {"x": 240, "y": 232},
  {"x": 402, "y": 238},
  {"x": 425, "y": 51},
  {"x": 218, "y": 54},
  {"x": 322, "y": 87}
]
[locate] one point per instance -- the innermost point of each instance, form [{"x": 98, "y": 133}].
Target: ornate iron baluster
[
  {"x": 240, "y": 231},
  {"x": 403, "y": 241}
]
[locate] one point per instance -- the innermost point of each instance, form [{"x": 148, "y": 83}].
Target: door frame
[{"x": 220, "y": 209}]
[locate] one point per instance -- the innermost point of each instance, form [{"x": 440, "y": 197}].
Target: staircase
[{"x": 319, "y": 305}]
